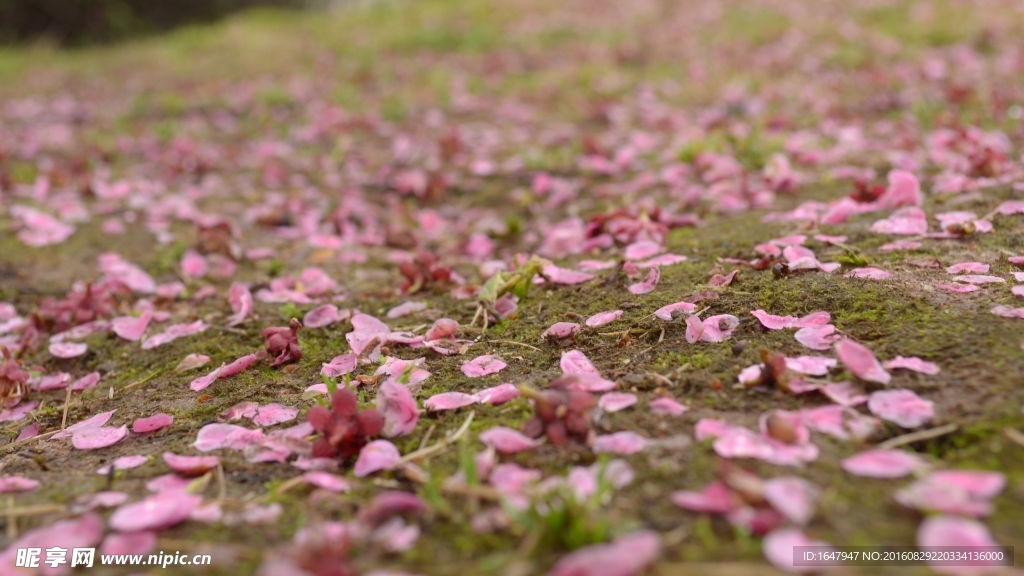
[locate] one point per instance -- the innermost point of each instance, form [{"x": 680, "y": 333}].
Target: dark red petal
[
  {"x": 320, "y": 418},
  {"x": 371, "y": 422},
  {"x": 345, "y": 402}
]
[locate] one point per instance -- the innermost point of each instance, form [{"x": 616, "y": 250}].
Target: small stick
[
  {"x": 1014, "y": 435},
  {"x": 67, "y": 404},
  {"x": 12, "y": 521},
  {"x": 7, "y": 447},
  {"x": 918, "y": 436},
  {"x": 431, "y": 450},
  {"x": 141, "y": 381},
  {"x": 222, "y": 489},
  {"x": 38, "y": 510},
  {"x": 426, "y": 437},
  {"x": 514, "y": 343}
]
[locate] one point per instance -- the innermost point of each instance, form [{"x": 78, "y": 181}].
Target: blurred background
[{"x": 71, "y": 23}]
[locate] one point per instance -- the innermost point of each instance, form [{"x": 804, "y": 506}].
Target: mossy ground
[{"x": 420, "y": 48}]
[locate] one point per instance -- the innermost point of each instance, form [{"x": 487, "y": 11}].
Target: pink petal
[
  {"x": 773, "y": 322},
  {"x": 99, "y": 437},
  {"x": 9, "y": 484},
  {"x": 131, "y": 328},
  {"x": 106, "y": 499},
  {"x": 204, "y": 382},
  {"x": 602, "y": 318},
  {"x": 442, "y": 328},
  {"x": 778, "y": 548},
  {"x": 406, "y": 308},
  {"x": 861, "y": 362},
  {"x": 616, "y": 401},
  {"x": 133, "y": 543},
  {"x": 94, "y": 422},
  {"x": 1007, "y": 312},
  {"x": 68, "y": 349},
  {"x": 241, "y": 303},
  {"x": 979, "y": 279},
  {"x": 589, "y": 383},
  {"x": 814, "y": 319},
  {"x": 973, "y": 267},
  {"x": 903, "y": 190},
  {"x": 83, "y": 532},
  {"x": 217, "y": 436},
  {"x": 975, "y": 483},
  {"x": 817, "y": 337},
  {"x": 57, "y": 381},
  {"x": 174, "y": 332},
  {"x": 900, "y": 245},
  {"x": 810, "y": 365},
  {"x": 237, "y": 366},
  {"x": 902, "y": 407},
  {"x": 240, "y": 410},
  {"x": 561, "y": 330},
  {"x": 844, "y": 394},
  {"x": 507, "y": 440},
  {"x": 327, "y": 481},
  {"x": 1011, "y": 207},
  {"x": 792, "y": 496},
  {"x": 448, "y": 401},
  {"x": 399, "y": 408},
  {"x": 190, "y": 465},
  {"x": 30, "y": 431},
  {"x": 642, "y": 249},
  {"x": 955, "y": 532},
  {"x": 912, "y": 363},
  {"x": 566, "y": 277},
  {"x": 665, "y": 312},
  {"x": 376, "y": 456},
  {"x": 124, "y": 463},
  {"x": 483, "y": 366},
  {"x": 86, "y": 382},
  {"x": 868, "y": 273},
  {"x": 321, "y": 316},
  {"x": 156, "y": 512},
  {"x": 576, "y": 362},
  {"x": 719, "y": 280},
  {"x": 883, "y": 463},
  {"x": 1018, "y": 291},
  {"x": 193, "y": 264},
  {"x": 648, "y": 284},
  {"x": 152, "y": 423},
  {"x": 271, "y": 414},
  {"x": 908, "y": 221},
  {"x": 666, "y": 405},
  {"x": 191, "y": 362},
  {"x": 627, "y": 555},
  {"x": 339, "y": 366},
  {"x": 960, "y": 288},
  {"x": 625, "y": 442},
  {"x": 716, "y": 498},
  {"x": 662, "y": 260},
  {"x": 497, "y": 395}
]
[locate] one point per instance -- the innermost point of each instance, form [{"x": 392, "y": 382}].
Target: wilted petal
[
  {"x": 156, "y": 512},
  {"x": 483, "y": 366},
  {"x": 666, "y": 405},
  {"x": 68, "y": 349},
  {"x": 376, "y": 456},
  {"x": 399, "y": 408},
  {"x": 602, "y": 318},
  {"x": 883, "y": 463},
  {"x": 648, "y": 284},
  {"x": 627, "y": 555},
  {"x": 561, "y": 330},
  {"x": 191, "y": 362},
  {"x": 778, "y": 548},
  {"x": 903, "y": 407},
  {"x": 912, "y": 363},
  {"x": 625, "y": 442},
  {"x": 241, "y": 303},
  {"x": 497, "y": 395},
  {"x": 665, "y": 312},
  {"x": 449, "y": 401},
  {"x": 98, "y": 437},
  {"x": 792, "y": 496},
  {"x": 321, "y": 316},
  {"x": 507, "y": 440},
  {"x": 271, "y": 414},
  {"x": 861, "y": 361},
  {"x": 152, "y": 423}
]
